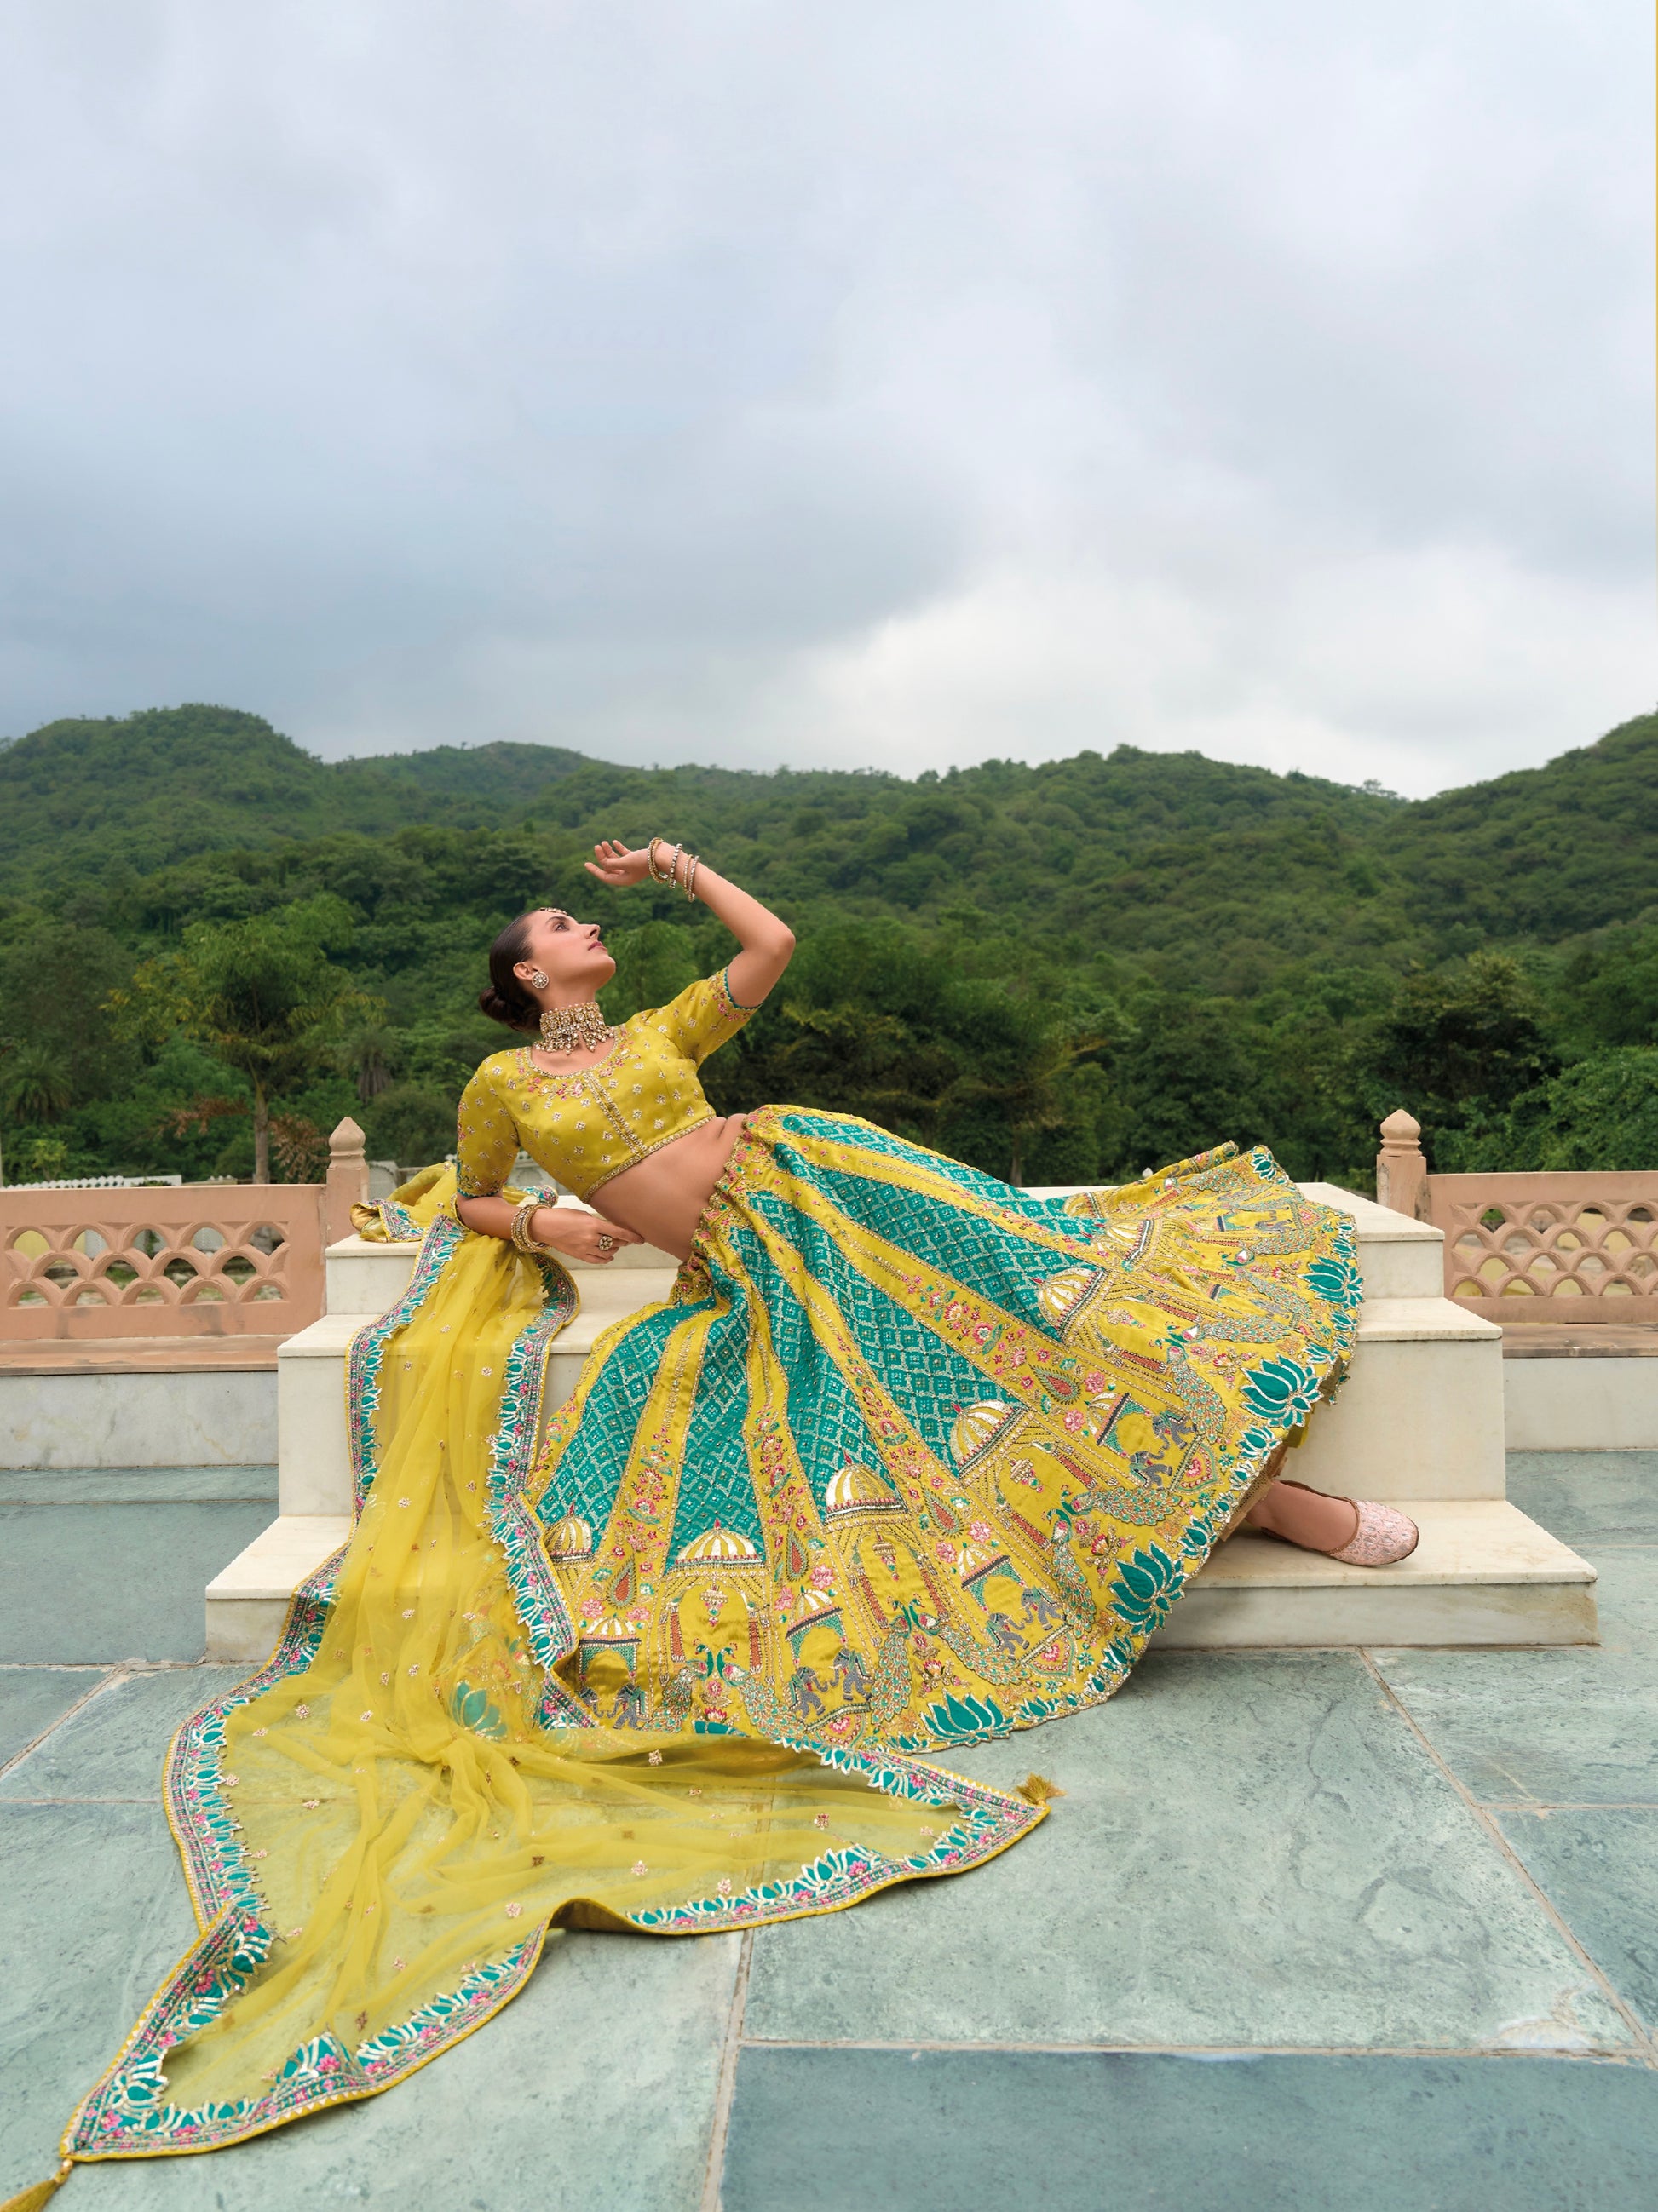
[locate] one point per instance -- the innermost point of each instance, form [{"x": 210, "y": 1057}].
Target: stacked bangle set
[
  {"x": 519, "y": 1236},
  {"x": 670, "y": 874}
]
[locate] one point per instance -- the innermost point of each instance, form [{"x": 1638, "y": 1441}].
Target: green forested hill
[{"x": 1229, "y": 950}]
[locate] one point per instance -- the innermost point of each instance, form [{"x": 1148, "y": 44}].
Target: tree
[
  {"x": 261, "y": 994},
  {"x": 412, "y": 1123},
  {"x": 1186, "y": 1084},
  {"x": 1459, "y": 1046},
  {"x": 34, "y": 1086},
  {"x": 1600, "y": 1115},
  {"x": 653, "y": 964},
  {"x": 368, "y": 1054},
  {"x": 1019, "y": 1046}
]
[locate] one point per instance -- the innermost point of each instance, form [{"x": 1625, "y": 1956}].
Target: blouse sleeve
[
  {"x": 702, "y": 1018},
  {"x": 486, "y": 1139}
]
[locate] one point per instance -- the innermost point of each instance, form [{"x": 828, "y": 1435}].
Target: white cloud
[
  {"x": 1421, "y": 670},
  {"x": 892, "y": 383}
]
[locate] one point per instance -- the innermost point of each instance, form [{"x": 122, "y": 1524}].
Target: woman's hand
[
  {"x": 581, "y": 1235},
  {"x": 766, "y": 942},
  {"x": 613, "y": 864}
]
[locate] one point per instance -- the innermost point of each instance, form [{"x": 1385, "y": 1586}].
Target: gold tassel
[
  {"x": 1035, "y": 1789},
  {"x": 32, "y": 2200}
]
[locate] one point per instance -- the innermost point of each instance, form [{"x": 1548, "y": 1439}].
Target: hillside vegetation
[{"x": 1067, "y": 971}]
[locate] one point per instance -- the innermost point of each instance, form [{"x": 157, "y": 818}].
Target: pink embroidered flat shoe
[{"x": 1383, "y": 1537}]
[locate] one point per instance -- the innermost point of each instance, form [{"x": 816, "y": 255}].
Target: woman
[{"x": 908, "y": 1459}]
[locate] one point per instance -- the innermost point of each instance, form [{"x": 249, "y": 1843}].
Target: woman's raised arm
[{"x": 766, "y": 942}]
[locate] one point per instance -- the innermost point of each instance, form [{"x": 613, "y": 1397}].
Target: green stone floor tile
[
  {"x": 1599, "y": 1868},
  {"x": 1583, "y": 1497},
  {"x": 32, "y": 1697},
  {"x": 1572, "y": 1726},
  {"x": 930, "y": 2131},
  {"x": 137, "y": 1486},
  {"x": 93, "y": 1913},
  {"x": 1253, "y": 1850},
  {"x": 593, "y": 2092},
  {"x": 113, "y": 1748},
  {"x": 114, "y": 1582}
]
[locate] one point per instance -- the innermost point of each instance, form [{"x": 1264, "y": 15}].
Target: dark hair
[{"x": 504, "y": 999}]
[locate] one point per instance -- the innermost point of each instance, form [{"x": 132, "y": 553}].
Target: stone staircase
[{"x": 1419, "y": 1422}]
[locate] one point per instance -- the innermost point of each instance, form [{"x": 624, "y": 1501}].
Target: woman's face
[{"x": 568, "y": 953}]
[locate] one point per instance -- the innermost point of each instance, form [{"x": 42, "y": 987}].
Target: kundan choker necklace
[{"x": 574, "y": 1029}]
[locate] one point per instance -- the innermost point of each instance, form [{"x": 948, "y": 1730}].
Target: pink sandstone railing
[
  {"x": 1581, "y": 1249},
  {"x": 195, "y": 1260}
]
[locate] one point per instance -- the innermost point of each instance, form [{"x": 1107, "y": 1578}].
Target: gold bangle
[
  {"x": 691, "y": 875},
  {"x": 658, "y": 875},
  {"x": 519, "y": 1237}
]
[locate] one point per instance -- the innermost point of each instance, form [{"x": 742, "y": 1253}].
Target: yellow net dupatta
[{"x": 381, "y": 1826}]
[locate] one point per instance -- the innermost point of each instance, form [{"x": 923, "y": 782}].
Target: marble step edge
[
  {"x": 1251, "y": 1590},
  {"x": 348, "y": 1253},
  {"x": 1437, "y": 1319},
  {"x": 602, "y": 1302},
  {"x": 1381, "y": 1321}
]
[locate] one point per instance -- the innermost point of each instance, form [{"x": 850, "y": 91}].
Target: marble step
[
  {"x": 248, "y": 1601},
  {"x": 366, "y": 1278},
  {"x": 1420, "y": 1413},
  {"x": 314, "y": 1467},
  {"x": 1483, "y": 1574}
]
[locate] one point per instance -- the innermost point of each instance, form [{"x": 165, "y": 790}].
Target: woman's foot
[{"x": 1358, "y": 1531}]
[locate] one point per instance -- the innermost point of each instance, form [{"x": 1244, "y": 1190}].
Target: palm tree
[
  {"x": 368, "y": 1055},
  {"x": 32, "y": 1086}
]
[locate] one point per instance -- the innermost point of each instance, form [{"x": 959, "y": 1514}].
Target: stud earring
[{"x": 538, "y": 981}]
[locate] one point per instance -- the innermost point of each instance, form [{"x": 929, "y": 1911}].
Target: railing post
[
  {"x": 1401, "y": 1170},
  {"x": 348, "y": 1180}
]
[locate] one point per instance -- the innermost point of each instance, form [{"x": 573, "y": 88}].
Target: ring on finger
[{"x": 607, "y": 1243}]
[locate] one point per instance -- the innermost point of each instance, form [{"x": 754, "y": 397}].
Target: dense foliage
[{"x": 1065, "y": 972}]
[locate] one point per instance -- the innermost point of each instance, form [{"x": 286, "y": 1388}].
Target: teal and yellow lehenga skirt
[{"x": 910, "y": 1459}]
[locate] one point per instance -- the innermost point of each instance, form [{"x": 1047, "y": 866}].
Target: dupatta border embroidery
[{"x": 127, "y": 2115}]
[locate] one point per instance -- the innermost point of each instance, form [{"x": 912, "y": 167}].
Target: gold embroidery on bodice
[{"x": 592, "y": 1124}]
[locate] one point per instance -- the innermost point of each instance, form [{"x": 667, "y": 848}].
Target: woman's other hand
[
  {"x": 581, "y": 1235},
  {"x": 613, "y": 864}
]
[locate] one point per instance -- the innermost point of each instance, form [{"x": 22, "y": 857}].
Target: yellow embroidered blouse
[{"x": 587, "y": 1127}]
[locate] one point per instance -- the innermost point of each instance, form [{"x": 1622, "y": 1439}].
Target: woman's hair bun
[{"x": 503, "y": 998}]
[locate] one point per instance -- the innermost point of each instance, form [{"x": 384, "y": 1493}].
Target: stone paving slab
[
  {"x": 114, "y": 1582},
  {"x": 137, "y": 1486},
  {"x": 1577, "y": 1726},
  {"x": 1598, "y": 1866},
  {"x": 32, "y": 1697},
  {"x": 111, "y": 1750},
  {"x": 93, "y": 1913},
  {"x": 1589, "y": 1499},
  {"x": 1253, "y": 1850},
  {"x": 595, "y": 2091},
  {"x": 928, "y": 2132}
]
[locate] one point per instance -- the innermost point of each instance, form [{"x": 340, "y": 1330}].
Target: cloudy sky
[{"x": 891, "y": 383}]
